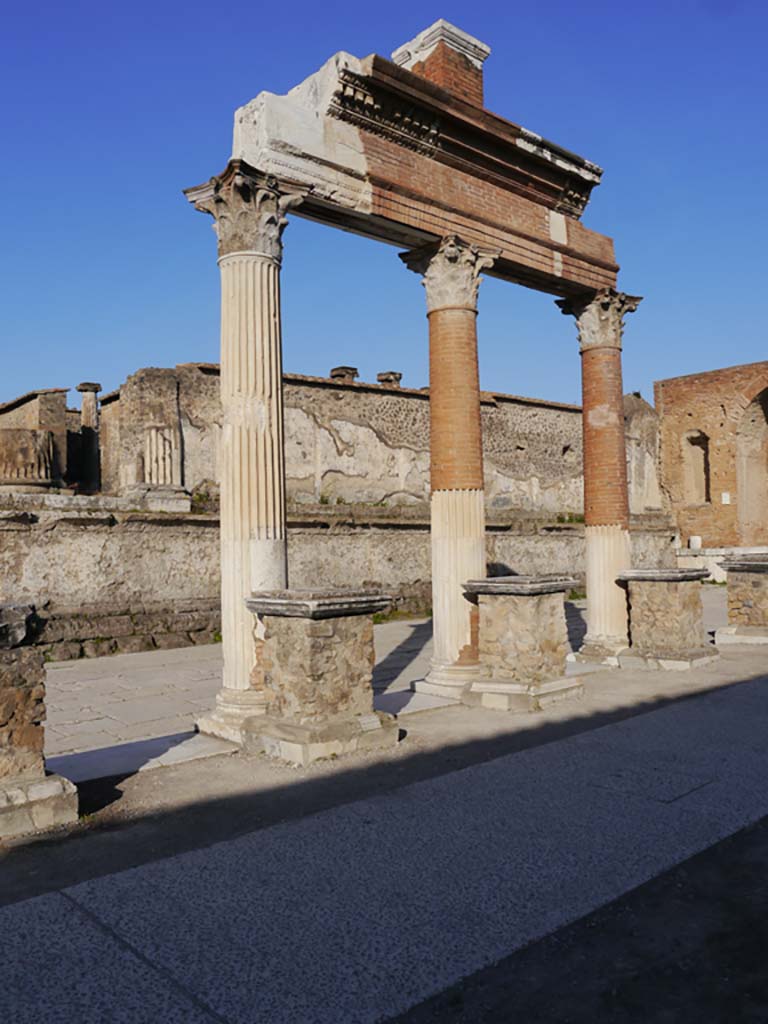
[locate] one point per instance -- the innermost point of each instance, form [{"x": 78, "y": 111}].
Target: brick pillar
[
  {"x": 90, "y": 470},
  {"x": 451, "y": 277},
  {"x": 600, "y": 322},
  {"x": 250, "y": 219}
]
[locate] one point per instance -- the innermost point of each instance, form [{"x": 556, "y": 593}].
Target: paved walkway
[
  {"x": 137, "y": 711},
  {"x": 363, "y": 910}
]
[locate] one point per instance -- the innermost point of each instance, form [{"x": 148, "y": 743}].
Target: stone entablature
[
  {"x": 315, "y": 668},
  {"x": 372, "y": 144},
  {"x": 665, "y": 619}
]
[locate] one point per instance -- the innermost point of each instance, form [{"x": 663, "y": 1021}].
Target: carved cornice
[
  {"x": 249, "y": 210},
  {"x": 451, "y": 271},
  {"x": 600, "y": 316},
  {"x": 384, "y": 114}
]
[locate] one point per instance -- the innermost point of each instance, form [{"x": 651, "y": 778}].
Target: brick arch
[
  {"x": 746, "y": 396},
  {"x": 752, "y": 466}
]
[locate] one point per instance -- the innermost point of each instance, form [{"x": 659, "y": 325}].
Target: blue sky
[{"x": 111, "y": 109}]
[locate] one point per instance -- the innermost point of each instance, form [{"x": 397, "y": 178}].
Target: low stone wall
[
  {"x": 127, "y": 581},
  {"x": 91, "y": 632}
]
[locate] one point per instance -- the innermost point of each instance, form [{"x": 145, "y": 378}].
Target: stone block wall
[
  {"x": 748, "y": 599},
  {"x": 65, "y": 633}
]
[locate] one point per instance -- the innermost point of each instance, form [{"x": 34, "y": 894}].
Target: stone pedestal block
[
  {"x": 522, "y": 642},
  {"x": 665, "y": 619},
  {"x": 316, "y": 666},
  {"x": 29, "y": 801},
  {"x": 747, "y": 579}
]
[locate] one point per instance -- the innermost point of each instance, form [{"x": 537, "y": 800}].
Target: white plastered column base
[
  {"x": 458, "y": 555},
  {"x": 607, "y": 554}
]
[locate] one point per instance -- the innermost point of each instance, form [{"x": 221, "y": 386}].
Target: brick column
[
  {"x": 600, "y": 322},
  {"x": 451, "y": 278},
  {"x": 250, "y": 219}
]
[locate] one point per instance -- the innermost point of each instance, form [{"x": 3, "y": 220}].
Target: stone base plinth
[
  {"x": 665, "y": 620},
  {"x": 522, "y": 643},
  {"x": 34, "y": 804},
  {"x": 316, "y": 666},
  {"x": 448, "y": 681},
  {"x": 302, "y": 744},
  {"x": 727, "y": 635},
  {"x": 498, "y": 695},
  {"x": 675, "y": 661},
  {"x": 747, "y": 591},
  {"x": 599, "y": 651},
  {"x": 233, "y": 708}
]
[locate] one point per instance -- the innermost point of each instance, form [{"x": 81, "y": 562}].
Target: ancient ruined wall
[
  {"x": 348, "y": 442},
  {"x": 714, "y": 454},
  {"x": 104, "y": 582},
  {"x": 43, "y": 411},
  {"x": 641, "y": 425}
]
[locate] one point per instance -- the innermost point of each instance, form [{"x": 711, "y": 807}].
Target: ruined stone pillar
[
  {"x": 451, "y": 278},
  {"x": 600, "y": 323},
  {"x": 90, "y": 474},
  {"x": 250, "y": 219}
]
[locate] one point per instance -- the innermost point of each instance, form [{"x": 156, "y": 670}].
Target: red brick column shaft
[
  {"x": 600, "y": 321},
  {"x": 606, "y": 500},
  {"x": 456, "y": 444}
]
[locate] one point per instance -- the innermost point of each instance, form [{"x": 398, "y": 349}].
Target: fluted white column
[
  {"x": 250, "y": 219},
  {"x": 252, "y": 467}
]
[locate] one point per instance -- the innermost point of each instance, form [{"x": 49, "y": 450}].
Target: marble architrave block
[
  {"x": 665, "y": 619},
  {"x": 316, "y": 672},
  {"x": 747, "y": 580},
  {"x": 30, "y": 800},
  {"x": 523, "y": 643}
]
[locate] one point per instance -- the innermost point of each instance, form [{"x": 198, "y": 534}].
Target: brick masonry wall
[
  {"x": 714, "y": 403},
  {"x": 452, "y": 71}
]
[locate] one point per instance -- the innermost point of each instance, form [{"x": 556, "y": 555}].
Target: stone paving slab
[
  {"x": 357, "y": 913},
  {"x": 143, "y": 755}
]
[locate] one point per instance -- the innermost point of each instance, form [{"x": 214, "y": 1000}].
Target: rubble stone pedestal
[
  {"x": 665, "y": 619},
  {"x": 523, "y": 643},
  {"x": 30, "y": 801},
  {"x": 747, "y": 579},
  {"x": 316, "y": 663}
]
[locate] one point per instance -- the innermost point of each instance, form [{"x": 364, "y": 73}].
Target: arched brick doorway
[{"x": 752, "y": 471}]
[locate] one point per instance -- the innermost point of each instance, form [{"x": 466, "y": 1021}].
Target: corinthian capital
[
  {"x": 600, "y": 316},
  {"x": 249, "y": 210},
  {"x": 451, "y": 271}
]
